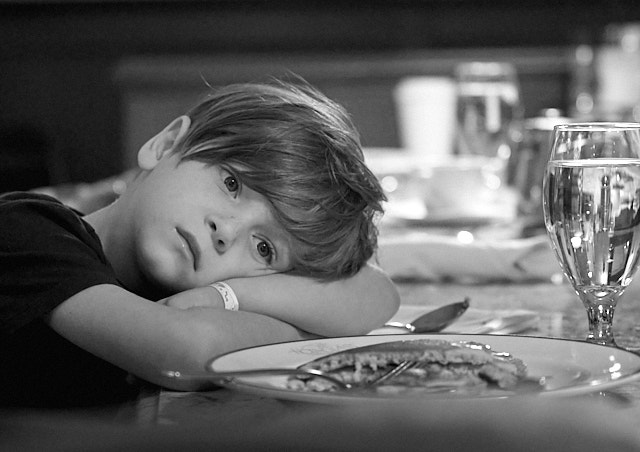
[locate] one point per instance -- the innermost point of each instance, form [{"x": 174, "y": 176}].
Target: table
[
  {"x": 164, "y": 420},
  {"x": 562, "y": 316}
]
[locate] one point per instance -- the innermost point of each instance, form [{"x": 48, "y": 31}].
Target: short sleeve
[{"x": 47, "y": 254}]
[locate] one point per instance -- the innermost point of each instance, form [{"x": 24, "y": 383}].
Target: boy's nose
[{"x": 222, "y": 235}]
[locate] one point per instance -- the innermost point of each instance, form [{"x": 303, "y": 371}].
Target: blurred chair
[{"x": 89, "y": 197}]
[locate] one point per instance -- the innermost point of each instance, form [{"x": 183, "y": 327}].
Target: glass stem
[{"x": 600, "y": 324}]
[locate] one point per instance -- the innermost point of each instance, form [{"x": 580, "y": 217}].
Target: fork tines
[{"x": 394, "y": 372}]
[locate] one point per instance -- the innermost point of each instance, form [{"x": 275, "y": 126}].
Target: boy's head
[{"x": 299, "y": 149}]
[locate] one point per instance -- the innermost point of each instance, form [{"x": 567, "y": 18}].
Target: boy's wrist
[{"x": 227, "y": 294}]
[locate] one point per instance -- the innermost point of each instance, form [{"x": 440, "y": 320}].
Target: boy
[{"x": 257, "y": 201}]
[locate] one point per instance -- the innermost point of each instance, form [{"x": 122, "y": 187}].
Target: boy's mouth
[{"x": 190, "y": 243}]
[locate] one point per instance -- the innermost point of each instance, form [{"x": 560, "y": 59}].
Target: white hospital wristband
[{"x": 228, "y": 295}]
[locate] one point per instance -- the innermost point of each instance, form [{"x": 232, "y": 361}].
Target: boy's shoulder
[
  {"x": 26, "y": 212},
  {"x": 36, "y": 224},
  {"x": 47, "y": 251},
  {"x": 22, "y": 201},
  {"x": 18, "y": 198}
]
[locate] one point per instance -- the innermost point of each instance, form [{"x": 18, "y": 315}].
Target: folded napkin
[
  {"x": 427, "y": 256},
  {"x": 473, "y": 321}
]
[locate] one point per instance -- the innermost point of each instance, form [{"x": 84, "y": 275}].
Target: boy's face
[{"x": 196, "y": 224}]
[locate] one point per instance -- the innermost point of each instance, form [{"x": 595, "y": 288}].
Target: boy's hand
[{"x": 194, "y": 298}]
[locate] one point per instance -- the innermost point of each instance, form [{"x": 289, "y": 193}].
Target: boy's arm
[
  {"x": 348, "y": 306},
  {"x": 145, "y": 338}
]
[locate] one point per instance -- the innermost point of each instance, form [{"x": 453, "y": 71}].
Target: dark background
[{"x": 67, "y": 69}]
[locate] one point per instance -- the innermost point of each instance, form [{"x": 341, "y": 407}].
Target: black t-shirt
[{"x": 47, "y": 254}]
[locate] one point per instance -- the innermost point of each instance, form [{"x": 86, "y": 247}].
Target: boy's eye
[
  {"x": 231, "y": 183},
  {"x": 265, "y": 250}
]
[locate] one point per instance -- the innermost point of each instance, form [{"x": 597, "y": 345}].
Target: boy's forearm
[
  {"x": 349, "y": 306},
  {"x": 145, "y": 338},
  {"x": 217, "y": 332},
  {"x": 354, "y": 305}
]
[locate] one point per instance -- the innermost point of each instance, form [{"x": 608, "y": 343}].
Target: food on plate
[{"x": 440, "y": 365}]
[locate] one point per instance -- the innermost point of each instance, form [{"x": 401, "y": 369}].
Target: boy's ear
[{"x": 154, "y": 149}]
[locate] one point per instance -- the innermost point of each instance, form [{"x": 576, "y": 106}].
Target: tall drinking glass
[
  {"x": 591, "y": 202},
  {"x": 488, "y": 112}
]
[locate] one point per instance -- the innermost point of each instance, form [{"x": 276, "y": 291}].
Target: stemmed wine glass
[{"x": 591, "y": 202}]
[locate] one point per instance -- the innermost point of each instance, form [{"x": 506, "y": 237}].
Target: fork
[
  {"x": 228, "y": 376},
  {"x": 399, "y": 369}
]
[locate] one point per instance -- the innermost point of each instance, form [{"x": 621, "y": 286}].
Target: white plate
[{"x": 568, "y": 367}]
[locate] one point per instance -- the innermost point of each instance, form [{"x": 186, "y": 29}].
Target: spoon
[{"x": 434, "y": 321}]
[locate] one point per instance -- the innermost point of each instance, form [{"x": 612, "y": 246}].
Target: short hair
[{"x": 290, "y": 143}]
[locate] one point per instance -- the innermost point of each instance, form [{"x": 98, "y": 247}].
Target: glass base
[{"x": 601, "y": 325}]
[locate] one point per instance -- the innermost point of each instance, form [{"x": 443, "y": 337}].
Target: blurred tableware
[
  {"x": 488, "y": 112},
  {"x": 583, "y": 84},
  {"x": 426, "y": 116},
  {"x": 433, "y": 321},
  {"x": 474, "y": 321},
  {"x": 443, "y": 190},
  {"x": 617, "y": 65},
  {"x": 509, "y": 324},
  {"x": 591, "y": 199},
  {"x": 401, "y": 181},
  {"x": 530, "y": 161},
  {"x": 465, "y": 189}
]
